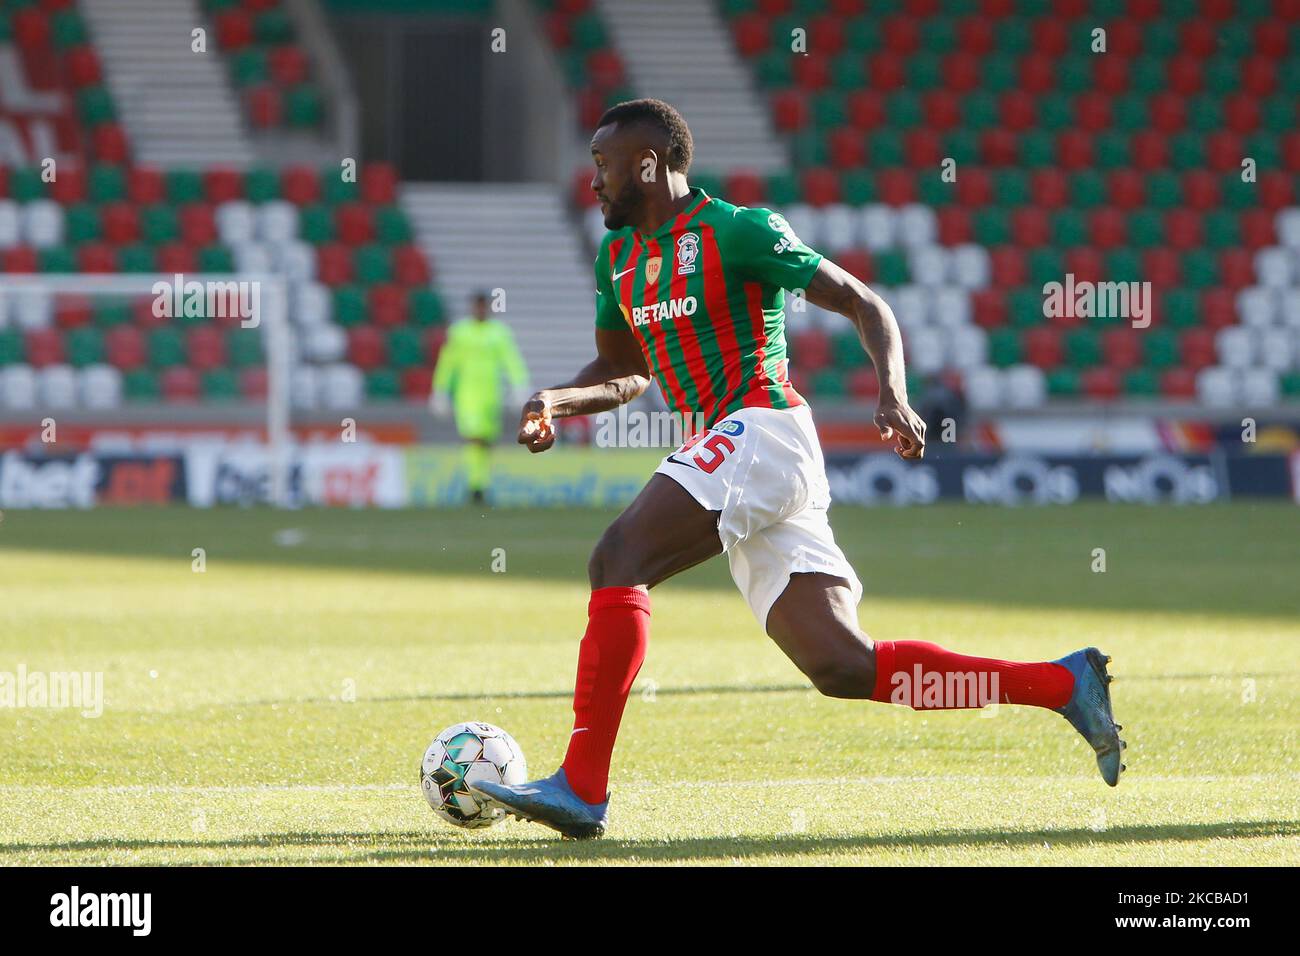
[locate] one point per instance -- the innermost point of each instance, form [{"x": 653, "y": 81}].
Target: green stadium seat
[
  {"x": 1082, "y": 348},
  {"x": 316, "y": 224},
  {"x": 184, "y": 186},
  {"x": 244, "y": 347},
  {"x": 57, "y": 259},
  {"x": 1160, "y": 349},
  {"x": 1142, "y": 383},
  {"x": 424, "y": 307},
  {"x": 95, "y": 106},
  {"x": 1025, "y": 307},
  {"x": 273, "y": 26},
  {"x": 108, "y": 313},
  {"x": 107, "y": 183},
  {"x": 383, "y": 384},
  {"x": 12, "y": 347},
  {"x": 216, "y": 258},
  {"x": 82, "y": 223},
  {"x": 349, "y": 306},
  {"x": 371, "y": 264},
  {"x": 1005, "y": 348},
  {"x": 262, "y": 185},
  {"x": 1063, "y": 383},
  {"x": 137, "y": 257},
  {"x": 304, "y": 106},
  {"x": 220, "y": 384},
  {"x": 141, "y": 385},
  {"x": 166, "y": 348}
]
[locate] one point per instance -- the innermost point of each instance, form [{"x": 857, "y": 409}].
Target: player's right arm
[{"x": 617, "y": 375}]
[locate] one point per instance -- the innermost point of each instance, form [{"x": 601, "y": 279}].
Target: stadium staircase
[
  {"x": 516, "y": 237},
  {"x": 177, "y": 106},
  {"x": 680, "y": 51}
]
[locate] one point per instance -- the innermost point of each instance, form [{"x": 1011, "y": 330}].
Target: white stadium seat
[
  {"x": 1275, "y": 348},
  {"x": 100, "y": 386},
  {"x": 594, "y": 223},
  {"x": 839, "y": 227},
  {"x": 31, "y": 309},
  {"x": 950, "y": 307},
  {"x": 1289, "y": 306},
  {"x": 1235, "y": 347},
  {"x": 1259, "y": 387},
  {"x": 18, "y": 386},
  {"x": 295, "y": 259},
  {"x": 57, "y": 387},
  {"x": 43, "y": 223},
  {"x": 342, "y": 386},
  {"x": 983, "y": 387},
  {"x": 925, "y": 348},
  {"x": 277, "y": 221},
  {"x": 252, "y": 257},
  {"x": 323, "y": 343},
  {"x": 972, "y": 267},
  {"x": 236, "y": 222},
  {"x": 917, "y": 226},
  {"x": 1257, "y": 306},
  {"x": 1288, "y": 227},
  {"x": 304, "y": 386},
  {"x": 911, "y": 305},
  {"x": 967, "y": 347},
  {"x": 1025, "y": 386},
  {"x": 11, "y": 224},
  {"x": 929, "y": 265},
  {"x": 1273, "y": 267},
  {"x": 1216, "y": 386},
  {"x": 877, "y": 227},
  {"x": 312, "y": 303}
]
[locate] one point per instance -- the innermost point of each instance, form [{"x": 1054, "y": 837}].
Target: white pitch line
[{"x": 647, "y": 785}]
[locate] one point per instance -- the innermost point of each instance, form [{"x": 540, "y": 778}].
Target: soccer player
[
  {"x": 689, "y": 292},
  {"x": 478, "y": 360}
]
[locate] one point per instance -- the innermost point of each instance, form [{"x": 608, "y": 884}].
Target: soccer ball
[{"x": 464, "y": 754}]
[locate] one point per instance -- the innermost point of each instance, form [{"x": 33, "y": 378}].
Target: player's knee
[
  {"x": 606, "y": 568},
  {"x": 848, "y": 676}
]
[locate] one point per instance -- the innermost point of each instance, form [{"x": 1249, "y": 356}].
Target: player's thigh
[
  {"x": 815, "y": 623},
  {"x": 663, "y": 531}
]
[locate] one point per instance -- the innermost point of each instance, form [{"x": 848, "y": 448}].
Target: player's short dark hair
[{"x": 663, "y": 116}]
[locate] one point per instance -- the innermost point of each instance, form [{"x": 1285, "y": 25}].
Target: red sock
[
  {"x": 924, "y": 676},
  {"x": 611, "y": 652}
]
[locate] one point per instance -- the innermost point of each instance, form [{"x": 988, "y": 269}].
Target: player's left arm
[{"x": 834, "y": 289}]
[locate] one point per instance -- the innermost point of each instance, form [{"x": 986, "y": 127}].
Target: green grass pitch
[{"x": 273, "y": 709}]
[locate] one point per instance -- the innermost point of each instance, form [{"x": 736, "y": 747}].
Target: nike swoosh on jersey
[{"x": 618, "y": 275}]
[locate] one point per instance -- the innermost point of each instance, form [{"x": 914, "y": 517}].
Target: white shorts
[{"x": 762, "y": 470}]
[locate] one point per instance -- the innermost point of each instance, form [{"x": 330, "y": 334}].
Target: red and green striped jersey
[{"x": 704, "y": 297}]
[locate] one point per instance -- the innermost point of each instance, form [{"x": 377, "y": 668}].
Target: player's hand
[
  {"x": 536, "y": 431},
  {"x": 897, "y": 421}
]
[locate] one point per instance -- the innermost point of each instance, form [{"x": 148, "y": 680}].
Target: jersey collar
[{"x": 698, "y": 198}]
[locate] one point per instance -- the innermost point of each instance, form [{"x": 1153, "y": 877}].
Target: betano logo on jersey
[{"x": 660, "y": 311}]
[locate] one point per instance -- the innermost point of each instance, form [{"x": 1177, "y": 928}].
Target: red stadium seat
[
  {"x": 1168, "y": 112},
  {"x": 96, "y": 257},
  {"x": 1236, "y": 268},
  {"x": 355, "y": 223},
  {"x": 121, "y": 223},
  {"x": 1162, "y": 267},
  {"x": 924, "y": 149},
  {"x": 1088, "y": 265},
  {"x": 198, "y": 224},
  {"x": 887, "y": 72},
  {"x": 300, "y": 185},
  {"x": 1178, "y": 383},
  {"x": 1121, "y": 348},
  {"x": 265, "y": 106},
  {"x": 288, "y": 65},
  {"x": 108, "y": 143},
  {"x": 974, "y": 187},
  {"x": 1050, "y": 36},
  {"x": 1275, "y": 189},
  {"x": 333, "y": 264},
  {"x": 789, "y": 111},
  {"x": 146, "y": 185},
  {"x": 848, "y": 149},
  {"x": 1074, "y": 149},
  {"x": 896, "y": 186},
  {"x": 379, "y": 183},
  {"x": 1092, "y": 110},
  {"x": 866, "y": 109},
  {"x": 999, "y": 147},
  {"x": 1108, "y": 227},
  {"x": 1127, "y": 188},
  {"x": 177, "y": 257},
  {"x": 856, "y": 262},
  {"x": 387, "y": 305},
  {"x": 751, "y": 33},
  {"x": 180, "y": 384},
  {"x": 1037, "y": 73},
  {"x": 1197, "y": 349},
  {"x": 961, "y": 72},
  {"x": 745, "y": 188},
  {"x": 1043, "y": 347},
  {"x": 205, "y": 347},
  {"x": 1218, "y": 308},
  {"x": 124, "y": 347},
  {"x": 1150, "y": 150},
  {"x": 410, "y": 267},
  {"x": 73, "y": 312},
  {"x": 989, "y": 307},
  {"x": 900, "y": 34},
  {"x": 975, "y": 34},
  {"x": 1050, "y": 188},
  {"x": 1257, "y": 228},
  {"x": 954, "y": 225},
  {"x": 1008, "y": 267},
  {"x": 942, "y": 109},
  {"x": 253, "y": 384},
  {"x": 812, "y": 73},
  {"x": 366, "y": 348},
  {"x": 416, "y": 384},
  {"x": 69, "y": 185},
  {"x": 1100, "y": 384},
  {"x": 821, "y": 187},
  {"x": 20, "y": 260},
  {"x": 223, "y": 185},
  {"x": 234, "y": 29},
  {"x": 1183, "y": 229},
  {"x": 44, "y": 347},
  {"x": 1019, "y": 110}
]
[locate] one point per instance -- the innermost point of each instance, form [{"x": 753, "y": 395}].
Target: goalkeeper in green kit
[{"x": 479, "y": 361}]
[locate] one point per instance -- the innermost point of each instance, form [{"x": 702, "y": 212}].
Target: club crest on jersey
[
  {"x": 652, "y": 266},
  {"x": 688, "y": 250}
]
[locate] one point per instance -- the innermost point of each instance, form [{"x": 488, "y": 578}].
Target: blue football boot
[
  {"x": 550, "y": 802},
  {"x": 1089, "y": 710}
]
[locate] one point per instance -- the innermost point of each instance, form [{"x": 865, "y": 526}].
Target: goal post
[{"x": 262, "y": 303}]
